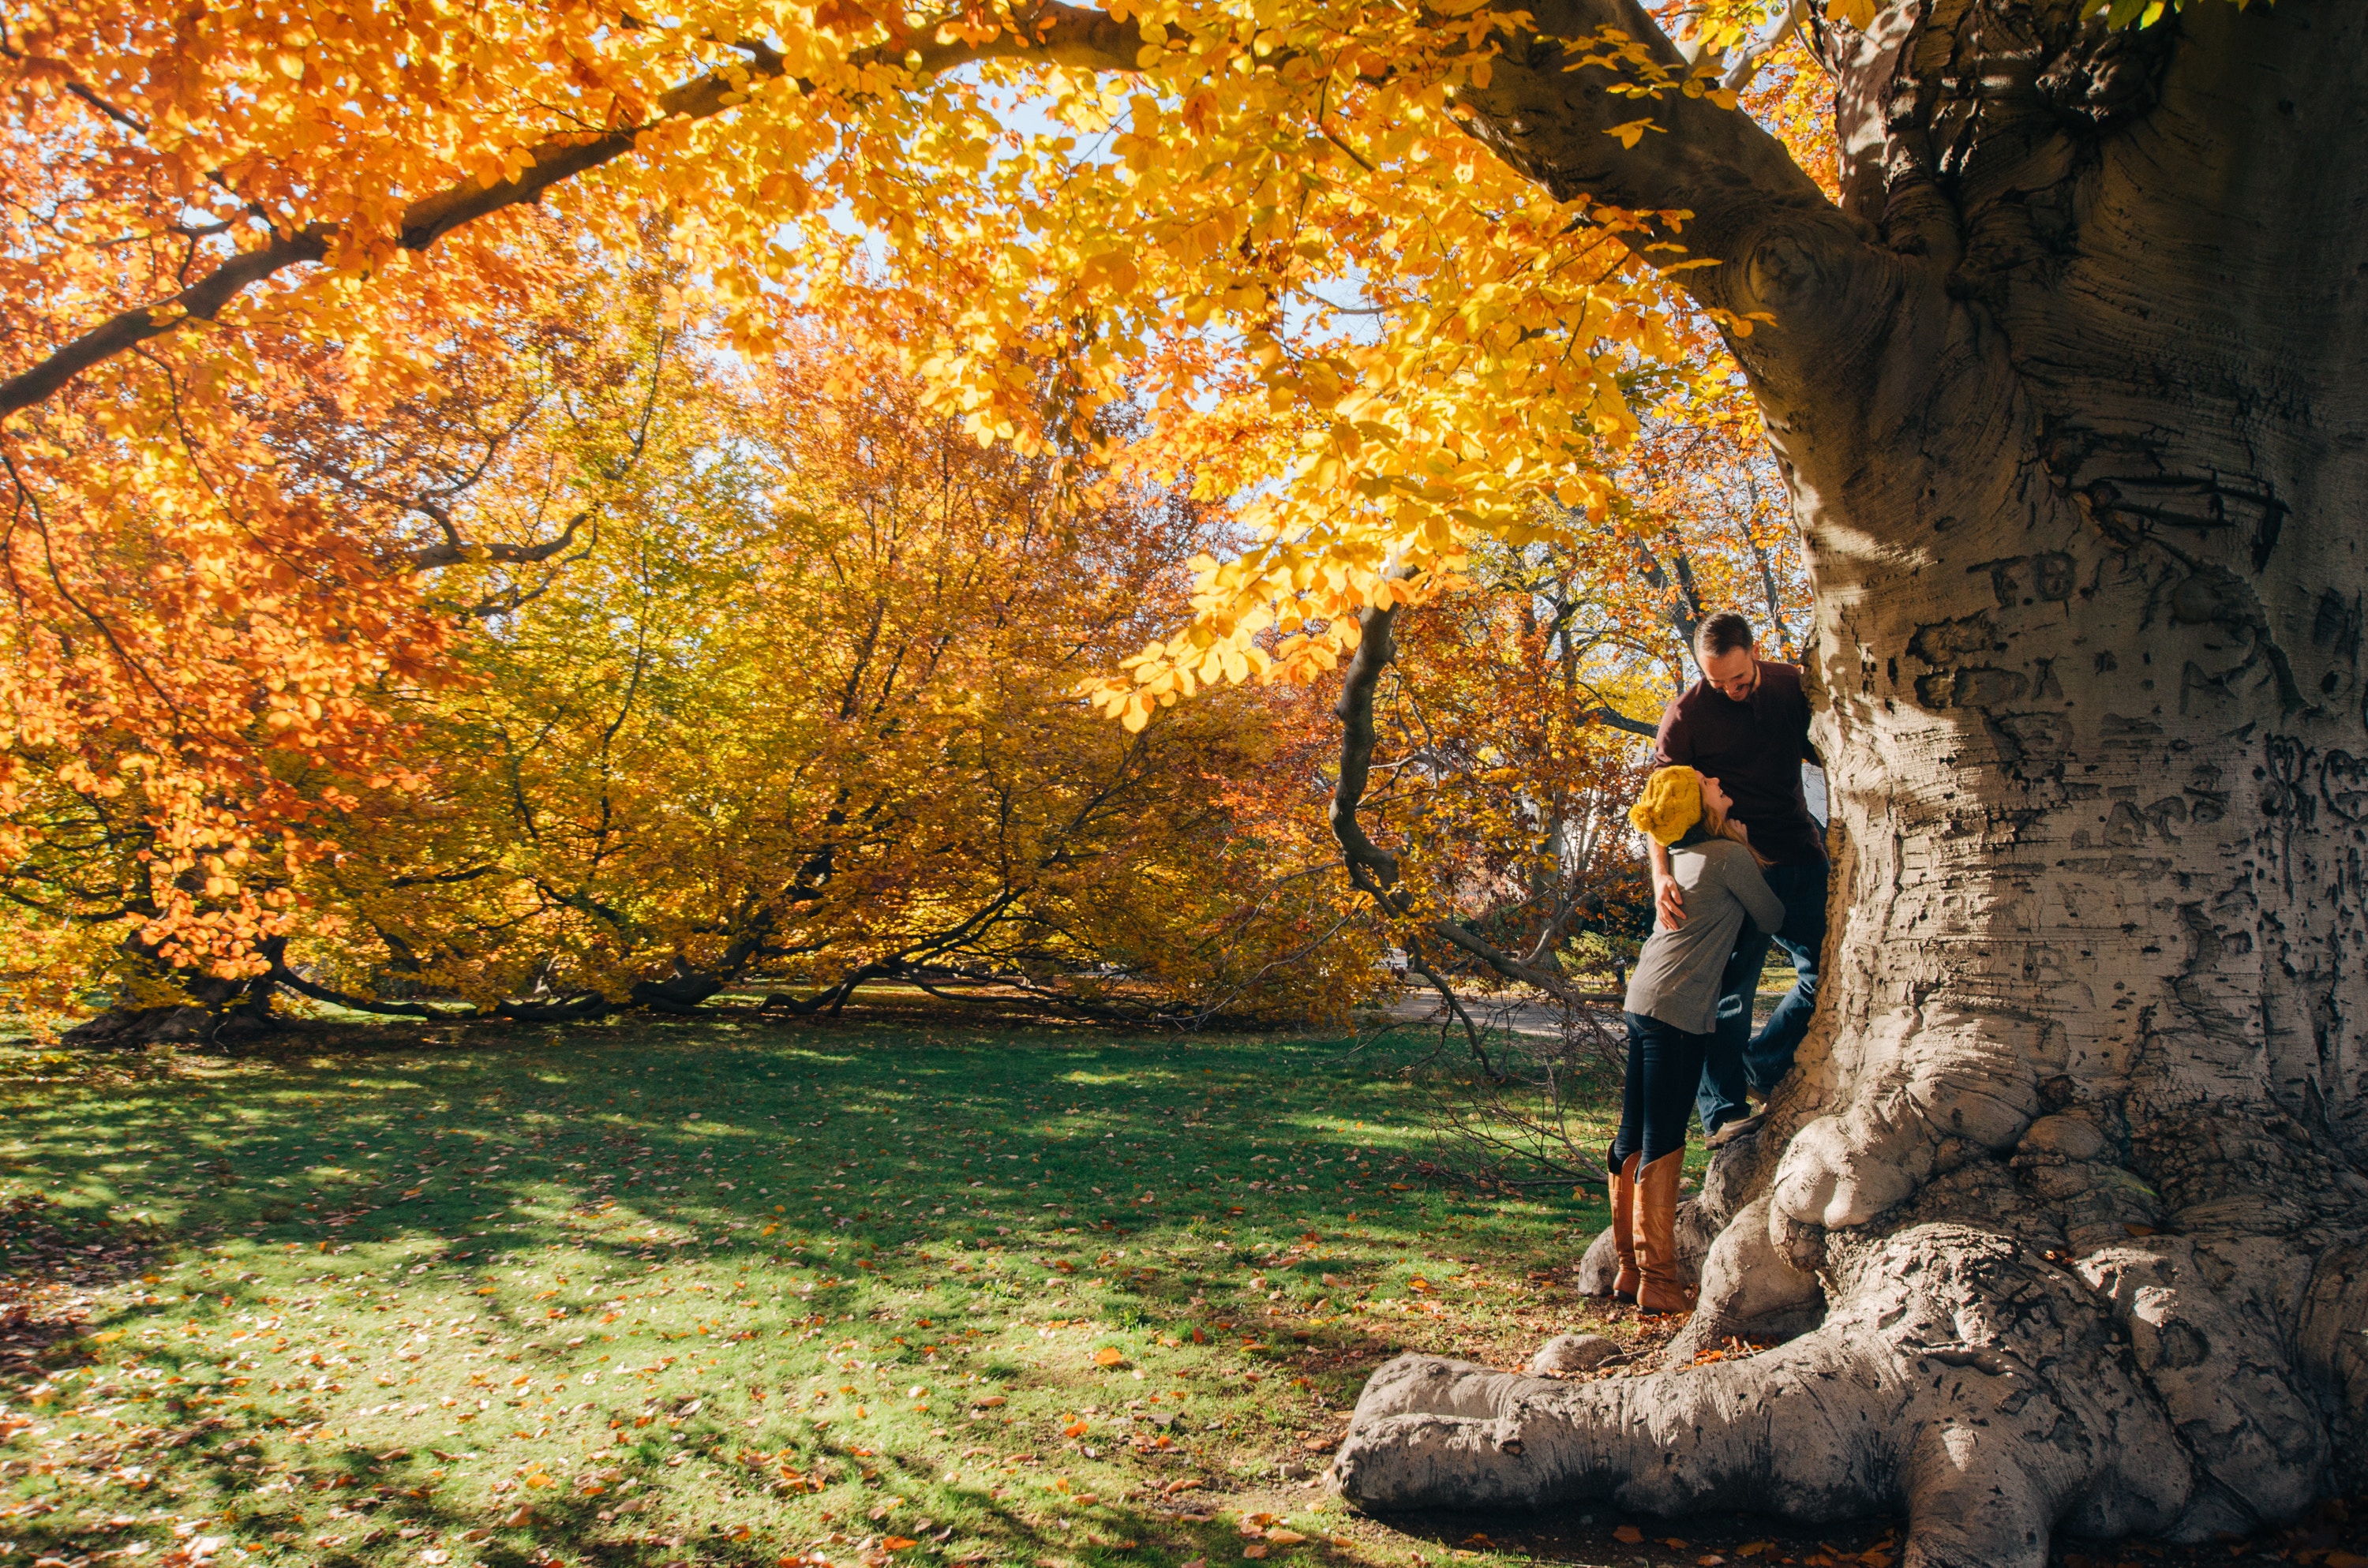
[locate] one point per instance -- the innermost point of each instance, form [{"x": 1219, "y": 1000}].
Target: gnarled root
[{"x": 1959, "y": 1377}]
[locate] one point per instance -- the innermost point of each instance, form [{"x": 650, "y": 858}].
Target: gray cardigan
[{"x": 1675, "y": 978}]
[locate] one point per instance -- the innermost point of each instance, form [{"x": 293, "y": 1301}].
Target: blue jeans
[{"x": 1736, "y": 1056}]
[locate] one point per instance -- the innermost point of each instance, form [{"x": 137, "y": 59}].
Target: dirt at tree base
[{"x": 1601, "y": 1536}]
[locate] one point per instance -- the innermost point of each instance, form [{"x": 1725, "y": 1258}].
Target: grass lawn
[{"x": 664, "y": 1294}]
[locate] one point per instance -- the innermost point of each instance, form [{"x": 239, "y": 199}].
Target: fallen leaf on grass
[
  {"x": 1109, "y": 1356},
  {"x": 1255, "y": 1550},
  {"x": 1284, "y": 1538}
]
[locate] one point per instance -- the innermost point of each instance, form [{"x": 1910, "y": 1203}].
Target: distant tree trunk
[{"x": 2070, "y": 399}]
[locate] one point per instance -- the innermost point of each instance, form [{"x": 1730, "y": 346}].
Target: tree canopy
[{"x": 328, "y": 435}]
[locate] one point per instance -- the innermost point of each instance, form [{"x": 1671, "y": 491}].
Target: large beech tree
[
  {"x": 2065, "y": 388},
  {"x": 2061, "y": 382}
]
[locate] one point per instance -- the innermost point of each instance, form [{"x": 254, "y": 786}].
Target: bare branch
[
  {"x": 1746, "y": 63},
  {"x": 455, "y": 549}
]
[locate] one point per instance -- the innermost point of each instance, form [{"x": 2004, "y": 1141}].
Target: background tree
[
  {"x": 790, "y": 698},
  {"x": 808, "y": 714},
  {"x": 2072, "y": 1155}
]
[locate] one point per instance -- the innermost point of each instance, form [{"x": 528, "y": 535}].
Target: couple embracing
[{"x": 1738, "y": 864}]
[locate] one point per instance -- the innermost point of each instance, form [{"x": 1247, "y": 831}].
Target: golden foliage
[{"x": 313, "y": 379}]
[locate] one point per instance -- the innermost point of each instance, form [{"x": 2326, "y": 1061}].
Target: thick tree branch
[
  {"x": 282, "y": 975},
  {"x": 455, "y": 549},
  {"x": 1746, "y": 61},
  {"x": 1619, "y": 720},
  {"x": 1786, "y": 250}
]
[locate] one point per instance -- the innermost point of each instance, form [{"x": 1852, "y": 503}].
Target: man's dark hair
[{"x": 1722, "y": 633}]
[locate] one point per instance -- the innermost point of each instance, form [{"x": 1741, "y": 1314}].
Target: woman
[{"x": 1672, "y": 1007}]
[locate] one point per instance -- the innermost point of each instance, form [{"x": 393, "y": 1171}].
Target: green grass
[
  {"x": 664, "y": 1293},
  {"x": 693, "y": 1294}
]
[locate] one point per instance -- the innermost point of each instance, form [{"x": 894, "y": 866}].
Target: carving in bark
[{"x": 2063, "y": 1200}]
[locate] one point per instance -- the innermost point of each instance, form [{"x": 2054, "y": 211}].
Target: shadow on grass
[{"x": 876, "y": 1159}]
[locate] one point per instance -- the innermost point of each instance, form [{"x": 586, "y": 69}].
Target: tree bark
[{"x": 2068, "y": 394}]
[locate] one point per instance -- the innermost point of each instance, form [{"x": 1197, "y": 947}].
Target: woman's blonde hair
[{"x": 1716, "y": 823}]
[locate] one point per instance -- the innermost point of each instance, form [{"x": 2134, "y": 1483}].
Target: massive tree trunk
[{"x": 2070, "y": 397}]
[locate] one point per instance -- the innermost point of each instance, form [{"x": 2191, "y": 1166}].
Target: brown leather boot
[
  {"x": 1624, "y": 1227},
  {"x": 1661, "y": 1288}
]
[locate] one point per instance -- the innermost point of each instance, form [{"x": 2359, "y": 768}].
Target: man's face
[{"x": 1734, "y": 673}]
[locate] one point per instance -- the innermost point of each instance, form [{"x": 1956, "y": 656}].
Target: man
[{"x": 1745, "y": 724}]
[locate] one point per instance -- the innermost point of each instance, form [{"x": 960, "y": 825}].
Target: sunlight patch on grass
[{"x": 659, "y": 1292}]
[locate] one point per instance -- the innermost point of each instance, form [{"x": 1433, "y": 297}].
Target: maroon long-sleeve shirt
[{"x": 1754, "y": 749}]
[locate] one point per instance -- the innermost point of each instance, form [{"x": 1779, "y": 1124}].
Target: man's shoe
[{"x": 1742, "y": 1127}]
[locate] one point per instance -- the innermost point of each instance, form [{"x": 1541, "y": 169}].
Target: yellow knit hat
[{"x": 1671, "y": 803}]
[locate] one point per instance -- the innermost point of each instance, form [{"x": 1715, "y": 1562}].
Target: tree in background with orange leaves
[
  {"x": 324, "y": 280},
  {"x": 770, "y": 677}
]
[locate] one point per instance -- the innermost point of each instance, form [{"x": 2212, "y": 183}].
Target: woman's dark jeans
[{"x": 1665, "y": 1063}]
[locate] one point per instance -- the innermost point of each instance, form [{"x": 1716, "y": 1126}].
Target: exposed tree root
[
  {"x": 1966, "y": 1381},
  {"x": 1991, "y": 1382}
]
